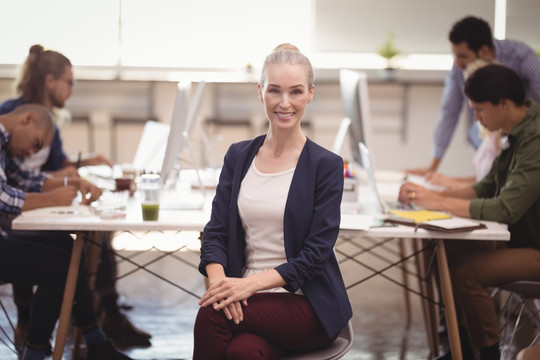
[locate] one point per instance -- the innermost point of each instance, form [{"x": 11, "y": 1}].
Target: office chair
[
  {"x": 522, "y": 308},
  {"x": 337, "y": 350}
]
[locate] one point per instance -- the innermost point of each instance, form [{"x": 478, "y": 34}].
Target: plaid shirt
[
  {"x": 14, "y": 182},
  {"x": 514, "y": 54}
]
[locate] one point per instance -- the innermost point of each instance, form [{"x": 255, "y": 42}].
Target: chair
[
  {"x": 339, "y": 348},
  {"x": 521, "y": 309}
]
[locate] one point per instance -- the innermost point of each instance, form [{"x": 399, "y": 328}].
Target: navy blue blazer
[{"x": 311, "y": 226}]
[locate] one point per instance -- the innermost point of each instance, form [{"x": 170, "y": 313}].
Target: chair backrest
[{"x": 337, "y": 350}]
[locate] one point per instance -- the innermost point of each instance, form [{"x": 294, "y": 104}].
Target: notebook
[{"x": 442, "y": 222}]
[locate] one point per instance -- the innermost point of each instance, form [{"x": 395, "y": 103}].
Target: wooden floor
[{"x": 381, "y": 327}]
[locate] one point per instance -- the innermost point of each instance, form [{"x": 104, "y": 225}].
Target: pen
[{"x": 79, "y": 160}]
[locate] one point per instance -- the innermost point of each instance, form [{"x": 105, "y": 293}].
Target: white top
[
  {"x": 261, "y": 205},
  {"x": 486, "y": 154}
]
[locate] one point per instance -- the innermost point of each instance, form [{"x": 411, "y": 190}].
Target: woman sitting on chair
[{"x": 275, "y": 284}]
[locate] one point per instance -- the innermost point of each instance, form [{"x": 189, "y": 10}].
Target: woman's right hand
[{"x": 234, "y": 311}]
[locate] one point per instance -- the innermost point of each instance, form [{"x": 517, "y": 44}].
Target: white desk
[
  {"x": 388, "y": 185},
  {"x": 181, "y": 220},
  {"x": 494, "y": 232},
  {"x": 194, "y": 220}
]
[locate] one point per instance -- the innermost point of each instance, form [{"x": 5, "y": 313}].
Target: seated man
[
  {"x": 42, "y": 258},
  {"x": 47, "y": 78},
  {"x": 509, "y": 193}
]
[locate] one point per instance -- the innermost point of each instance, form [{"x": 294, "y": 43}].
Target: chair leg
[{"x": 93, "y": 249}]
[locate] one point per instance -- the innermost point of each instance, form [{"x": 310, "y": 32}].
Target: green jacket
[{"x": 510, "y": 192}]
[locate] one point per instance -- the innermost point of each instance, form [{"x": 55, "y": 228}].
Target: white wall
[{"x": 399, "y": 141}]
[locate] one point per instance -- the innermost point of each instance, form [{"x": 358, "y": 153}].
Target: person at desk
[
  {"x": 47, "y": 78},
  {"x": 484, "y": 155},
  {"x": 274, "y": 282},
  {"x": 509, "y": 193},
  {"x": 471, "y": 39},
  {"x": 482, "y": 160},
  {"x": 42, "y": 258}
]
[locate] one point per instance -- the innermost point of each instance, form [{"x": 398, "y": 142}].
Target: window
[
  {"x": 85, "y": 31},
  {"x": 158, "y": 33},
  {"x": 211, "y": 33}
]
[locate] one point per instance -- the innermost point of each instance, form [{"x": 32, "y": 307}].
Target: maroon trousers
[{"x": 274, "y": 324}]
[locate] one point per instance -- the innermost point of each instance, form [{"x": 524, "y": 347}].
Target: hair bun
[
  {"x": 36, "y": 49},
  {"x": 286, "y": 46}
]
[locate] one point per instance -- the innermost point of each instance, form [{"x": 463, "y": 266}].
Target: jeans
[
  {"x": 474, "y": 274},
  {"x": 274, "y": 323}
]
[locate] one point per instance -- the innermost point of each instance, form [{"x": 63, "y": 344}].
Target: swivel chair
[
  {"x": 337, "y": 350},
  {"x": 521, "y": 304}
]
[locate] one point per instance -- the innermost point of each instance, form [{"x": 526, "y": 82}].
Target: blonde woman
[{"x": 275, "y": 284}]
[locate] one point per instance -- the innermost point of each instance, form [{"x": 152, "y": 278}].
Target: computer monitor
[
  {"x": 176, "y": 139},
  {"x": 357, "y": 122},
  {"x": 183, "y": 119},
  {"x": 152, "y": 146}
]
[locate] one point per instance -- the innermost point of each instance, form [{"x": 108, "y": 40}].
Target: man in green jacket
[{"x": 510, "y": 194}]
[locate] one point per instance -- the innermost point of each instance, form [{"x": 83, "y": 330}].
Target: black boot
[
  {"x": 105, "y": 350},
  {"x": 122, "y": 333},
  {"x": 466, "y": 348}
]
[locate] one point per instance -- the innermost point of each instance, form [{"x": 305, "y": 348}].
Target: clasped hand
[{"x": 228, "y": 294}]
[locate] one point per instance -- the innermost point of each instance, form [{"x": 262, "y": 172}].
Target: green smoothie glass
[{"x": 149, "y": 193}]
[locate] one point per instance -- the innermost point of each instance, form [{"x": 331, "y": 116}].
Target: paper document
[{"x": 355, "y": 221}]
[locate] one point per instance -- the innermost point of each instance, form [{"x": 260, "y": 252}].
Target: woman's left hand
[{"x": 228, "y": 294}]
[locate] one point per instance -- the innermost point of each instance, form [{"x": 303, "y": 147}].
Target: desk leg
[
  {"x": 405, "y": 281},
  {"x": 426, "y": 288},
  {"x": 69, "y": 294},
  {"x": 448, "y": 299},
  {"x": 93, "y": 254}
]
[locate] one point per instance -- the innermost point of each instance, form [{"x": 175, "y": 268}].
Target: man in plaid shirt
[{"x": 42, "y": 258}]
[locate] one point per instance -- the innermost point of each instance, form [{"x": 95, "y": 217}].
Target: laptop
[{"x": 382, "y": 206}]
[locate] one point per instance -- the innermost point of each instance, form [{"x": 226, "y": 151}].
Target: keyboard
[{"x": 111, "y": 200}]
